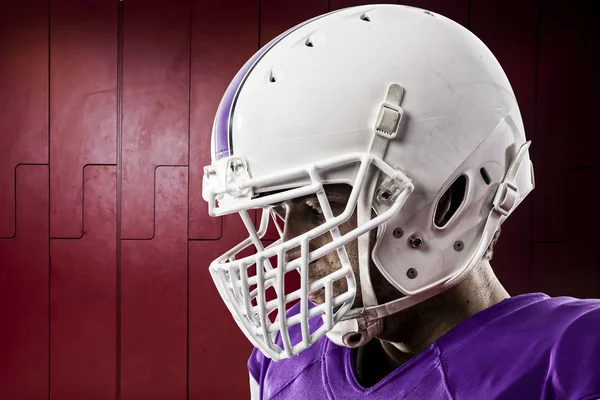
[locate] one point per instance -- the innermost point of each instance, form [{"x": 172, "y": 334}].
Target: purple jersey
[{"x": 526, "y": 347}]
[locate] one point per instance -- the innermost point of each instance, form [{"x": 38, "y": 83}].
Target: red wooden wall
[{"x": 106, "y": 111}]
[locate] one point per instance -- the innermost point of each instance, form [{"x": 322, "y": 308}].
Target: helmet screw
[
  {"x": 415, "y": 241},
  {"x": 411, "y": 273},
  {"x": 398, "y": 233},
  {"x": 459, "y": 245},
  {"x": 386, "y": 195}
]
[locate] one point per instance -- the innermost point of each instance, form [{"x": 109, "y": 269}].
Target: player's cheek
[{"x": 340, "y": 287}]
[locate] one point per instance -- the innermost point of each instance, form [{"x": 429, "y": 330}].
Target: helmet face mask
[
  {"x": 434, "y": 114},
  {"x": 244, "y": 282}
]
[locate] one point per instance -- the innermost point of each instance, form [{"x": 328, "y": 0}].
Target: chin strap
[{"x": 363, "y": 324}]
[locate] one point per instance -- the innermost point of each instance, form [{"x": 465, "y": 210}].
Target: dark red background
[{"x": 106, "y": 112}]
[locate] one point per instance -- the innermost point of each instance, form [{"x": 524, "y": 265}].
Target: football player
[{"x": 384, "y": 147}]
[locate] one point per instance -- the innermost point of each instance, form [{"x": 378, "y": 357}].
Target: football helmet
[{"x": 401, "y": 103}]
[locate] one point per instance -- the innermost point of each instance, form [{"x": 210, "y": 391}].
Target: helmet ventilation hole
[
  {"x": 271, "y": 77},
  {"x": 365, "y": 17},
  {"x": 485, "y": 176},
  {"x": 450, "y": 202},
  {"x": 308, "y": 43}
]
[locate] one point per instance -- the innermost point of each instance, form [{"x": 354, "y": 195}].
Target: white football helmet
[{"x": 402, "y": 104}]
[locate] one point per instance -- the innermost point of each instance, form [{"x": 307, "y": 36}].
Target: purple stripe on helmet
[
  {"x": 222, "y": 135},
  {"x": 223, "y": 145}
]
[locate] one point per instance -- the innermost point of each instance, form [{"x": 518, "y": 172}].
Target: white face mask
[{"x": 242, "y": 282}]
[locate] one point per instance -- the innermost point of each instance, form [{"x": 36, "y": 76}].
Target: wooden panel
[
  {"x": 278, "y": 16},
  {"x": 156, "y": 68},
  {"x": 572, "y": 266},
  {"x": 569, "y": 58},
  {"x": 83, "y": 103},
  {"x": 217, "y": 55},
  {"x": 457, "y": 10},
  {"x": 207, "y": 360},
  {"x": 218, "y": 349},
  {"x": 24, "y": 292},
  {"x": 83, "y": 297},
  {"x": 23, "y": 98},
  {"x": 211, "y": 352},
  {"x": 154, "y": 298},
  {"x": 337, "y": 4}
]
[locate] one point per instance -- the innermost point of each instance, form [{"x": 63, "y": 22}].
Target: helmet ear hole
[{"x": 450, "y": 202}]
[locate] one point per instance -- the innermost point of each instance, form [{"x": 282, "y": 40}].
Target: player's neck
[{"x": 428, "y": 322}]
